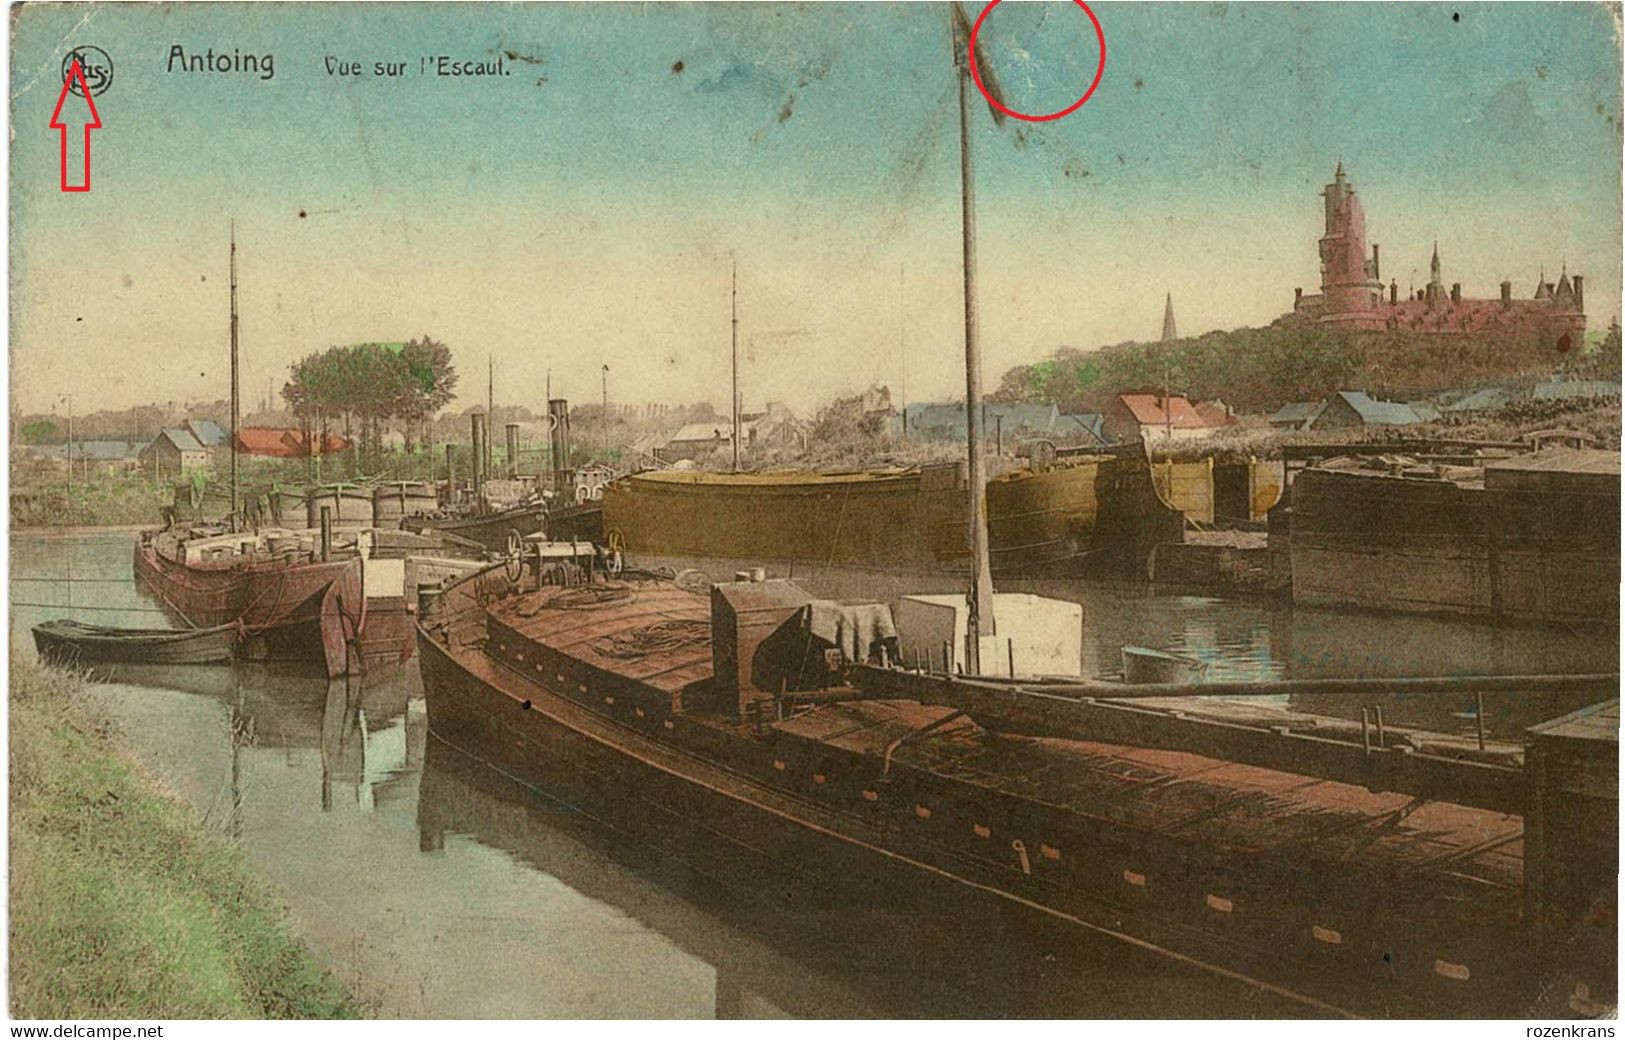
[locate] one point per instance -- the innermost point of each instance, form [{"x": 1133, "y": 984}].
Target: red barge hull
[{"x": 289, "y": 609}]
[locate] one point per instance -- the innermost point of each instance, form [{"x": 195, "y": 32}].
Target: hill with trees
[{"x": 1261, "y": 369}]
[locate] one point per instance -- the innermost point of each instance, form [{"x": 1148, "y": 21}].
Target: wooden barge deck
[{"x": 1350, "y": 900}]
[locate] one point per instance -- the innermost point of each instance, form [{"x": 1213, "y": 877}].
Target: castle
[{"x": 1351, "y": 291}]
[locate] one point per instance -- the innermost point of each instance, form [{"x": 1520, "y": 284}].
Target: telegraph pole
[{"x": 735, "y": 305}]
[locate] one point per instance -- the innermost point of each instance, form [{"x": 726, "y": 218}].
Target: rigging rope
[{"x": 660, "y": 637}]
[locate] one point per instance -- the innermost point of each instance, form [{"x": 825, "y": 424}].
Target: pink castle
[{"x": 1351, "y": 291}]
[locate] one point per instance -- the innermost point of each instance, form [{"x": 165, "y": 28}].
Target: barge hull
[{"x": 643, "y": 775}]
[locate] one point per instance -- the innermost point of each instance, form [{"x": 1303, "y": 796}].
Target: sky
[{"x": 584, "y": 209}]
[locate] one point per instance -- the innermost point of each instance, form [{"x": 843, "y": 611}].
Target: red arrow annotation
[{"x": 93, "y": 122}]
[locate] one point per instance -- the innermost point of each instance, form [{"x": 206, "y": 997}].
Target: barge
[
  {"x": 286, "y": 600},
  {"x": 1078, "y": 513},
  {"x": 1534, "y": 537},
  {"x": 720, "y": 727}
]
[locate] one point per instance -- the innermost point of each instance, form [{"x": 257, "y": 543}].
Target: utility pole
[
  {"x": 70, "y": 445},
  {"x": 902, "y": 349},
  {"x": 232, "y": 443},
  {"x": 980, "y": 622},
  {"x": 735, "y": 306}
]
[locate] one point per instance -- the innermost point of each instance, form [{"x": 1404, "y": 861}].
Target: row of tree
[{"x": 369, "y": 385}]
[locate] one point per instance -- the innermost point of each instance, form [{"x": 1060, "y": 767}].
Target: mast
[
  {"x": 735, "y": 306},
  {"x": 980, "y": 622},
  {"x": 490, "y": 405},
  {"x": 233, "y": 441},
  {"x": 902, "y": 349}
]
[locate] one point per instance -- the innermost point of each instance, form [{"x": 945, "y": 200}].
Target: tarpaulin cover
[{"x": 858, "y": 629}]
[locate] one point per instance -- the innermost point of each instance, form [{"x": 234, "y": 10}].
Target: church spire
[
  {"x": 1435, "y": 266},
  {"x": 1168, "y": 331}
]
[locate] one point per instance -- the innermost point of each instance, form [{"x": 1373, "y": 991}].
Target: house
[
  {"x": 172, "y": 453},
  {"x": 1350, "y": 409},
  {"x": 1010, "y": 422},
  {"x": 109, "y": 454},
  {"x": 1151, "y": 417},
  {"x": 277, "y": 442},
  {"x": 207, "y": 431},
  {"x": 1300, "y": 415},
  {"x": 697, "y": 440},
  {"x": 1216, "y": 414}
]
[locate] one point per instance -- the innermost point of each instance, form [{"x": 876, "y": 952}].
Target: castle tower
[
  {"x": 1168, "y": 331},
  {"x": 1347, "y": 278}
]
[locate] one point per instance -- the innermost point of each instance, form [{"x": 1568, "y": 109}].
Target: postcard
[{"x": 856, "y": 510}]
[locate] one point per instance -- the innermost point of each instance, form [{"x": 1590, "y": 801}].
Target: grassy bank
[{"x": 123, "y": 904}]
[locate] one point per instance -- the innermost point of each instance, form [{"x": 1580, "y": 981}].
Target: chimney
[
  {"x": 1376, "y": 262},
  {"x": 558, "y": 421},
  {"x": 1297, "y": 297},
  {"x": 1579, "y": 293},
  {"x": 1506, "y": 294},
  {"x": 1455, "y": 292},
  {"x": 512, "y": 430},
  {"x": 1393, "y": 291},
  {"x": 477, "y": 442}
]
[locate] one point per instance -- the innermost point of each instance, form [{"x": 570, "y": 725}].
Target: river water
[{"x": 437, "y": 888}]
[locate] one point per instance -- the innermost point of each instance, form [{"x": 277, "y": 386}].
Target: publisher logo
[{"x": 97, "y": 66}]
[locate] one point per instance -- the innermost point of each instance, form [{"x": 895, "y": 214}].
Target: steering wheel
[
  {"x": 513, "y": 564},
  {"x": 614, "y": 552}
]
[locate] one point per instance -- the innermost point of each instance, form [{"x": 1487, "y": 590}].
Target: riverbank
[{"x": 124, "y": 903}]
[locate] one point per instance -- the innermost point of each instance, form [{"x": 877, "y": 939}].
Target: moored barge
[
  {"x": 674, "y": 705},
  {"x": 288, "y": 603},
  {"x": 1075, "y": 513}
]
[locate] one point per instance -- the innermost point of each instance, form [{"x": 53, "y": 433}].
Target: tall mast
[
  {"x": 735, "y": 305},
  {"x": 980, "y": 622},
  {"x": 233, "y": 441},
  {"x": 902, "y": 349},
  {"x": 490, "y": 405}
]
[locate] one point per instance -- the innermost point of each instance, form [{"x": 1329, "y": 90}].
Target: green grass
[{"x": 123, "y": 903}]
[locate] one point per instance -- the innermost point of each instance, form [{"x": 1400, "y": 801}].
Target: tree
[
  {"x": 372, "y": 383},
  {"x": 41, "y": 431}
]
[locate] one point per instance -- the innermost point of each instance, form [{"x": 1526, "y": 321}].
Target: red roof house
[
  {"x": 1152, "y": 416},
  {"x": 277, "y": 442}
]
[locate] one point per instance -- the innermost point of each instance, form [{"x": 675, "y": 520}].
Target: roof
[
  {"x": 1215, "y": 414},
  {"x": 95, "y": 451},
  {"x": 105, "y": 451},
  {"x": 720, "y": 429},
  {"x": 182, "y": 439},
  {"x": 1148, "y": 410},
  {"x": 1379, "y": 413},
  {"x": 1560, "y": 389},
  {"x": 207, "y": 431},
  {"x": 949, "y": 416},
  {"x": 282, "y": 442},
  {"x": 1298, "y": 412}
]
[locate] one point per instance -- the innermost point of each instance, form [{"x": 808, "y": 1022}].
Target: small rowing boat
[
  {"x": 1141, "y": 664},
  {"x": 74, "y": 643}
]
